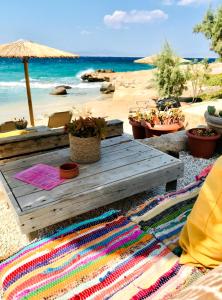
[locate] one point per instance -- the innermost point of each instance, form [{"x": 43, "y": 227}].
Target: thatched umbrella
[
  {"x": 26, "y": 50},
  {"x": 151, "y": 60}
]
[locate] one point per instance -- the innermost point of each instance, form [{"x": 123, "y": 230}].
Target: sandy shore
[{"x": 131, "y": 90}]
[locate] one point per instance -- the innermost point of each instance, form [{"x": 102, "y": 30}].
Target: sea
[{"x": 45, "y": 74}]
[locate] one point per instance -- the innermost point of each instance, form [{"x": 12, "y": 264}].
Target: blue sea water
[{"x": 48, "y": 73}]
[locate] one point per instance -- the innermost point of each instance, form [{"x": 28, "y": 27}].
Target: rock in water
[
  {"x": 59, "y": 91},
  {"x": 97, "y": 76},
  {"x": 67, "y": 87},
  {"x": 107, "y": 88}
]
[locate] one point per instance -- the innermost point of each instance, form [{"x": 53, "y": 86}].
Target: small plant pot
[
  {"x": 21, "y": 126},
  {"x": 69, "y": 170},
  {"x": 138, "y": 130},
  {"x": 159, "y": 130},
  {"x": 202, "y": 146},
  {"x": 85, "y": 150}
]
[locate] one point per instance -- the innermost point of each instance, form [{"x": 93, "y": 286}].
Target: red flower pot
[
  {"x": 69, "y": 170},
  {"x": 158, "y": 130},
  {"x": 202, "y": 146},
  {"x": 138, "y": 130}
]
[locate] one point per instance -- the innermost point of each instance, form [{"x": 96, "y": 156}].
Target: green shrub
[
  {"x": 169, "y": 78},
  {"x": 214, "y": 80},
  {"x": 212, "y": 96}
]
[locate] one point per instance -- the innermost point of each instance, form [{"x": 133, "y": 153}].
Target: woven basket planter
[{"x": 84, "y": 150}]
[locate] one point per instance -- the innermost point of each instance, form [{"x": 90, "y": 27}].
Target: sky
[{"x": 108, "y": 27}]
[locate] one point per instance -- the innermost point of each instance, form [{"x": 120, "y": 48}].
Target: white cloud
[{"x": 119, "y": 18}]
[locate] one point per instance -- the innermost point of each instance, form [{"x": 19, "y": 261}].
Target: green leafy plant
[
  {"x": 197, "y": 73},
  {"x": 87, "y": 127},
  {"x": 169, "y": 78},
  {"x": 211, "y": 27},
  {"x": 212, "y": 96},
  {"x": 211, "y": 110},
  {"x": 214, "y": 80},
  {"x": 136, "y": 116},
  {"x": 21, "y": 123},
  {"x": 168, "y": 117}
]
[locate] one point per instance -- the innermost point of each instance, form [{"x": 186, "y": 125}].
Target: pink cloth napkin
[{"x": 42, "y": 176}]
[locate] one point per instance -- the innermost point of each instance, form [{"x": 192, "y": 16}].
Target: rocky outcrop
[
  {"x": 59, "y": 91},
  {"x": 97, "y": 76},
  {"x": 107, "y": 88},
  {"x": 171, "y": 142}
]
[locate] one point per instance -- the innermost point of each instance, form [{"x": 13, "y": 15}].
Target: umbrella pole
[{"x": 29, "y": 96}]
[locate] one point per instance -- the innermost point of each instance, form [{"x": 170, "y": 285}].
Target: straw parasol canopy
[
  {"x": 151, "y": 60},
  {"x": 25, "y": 50}
]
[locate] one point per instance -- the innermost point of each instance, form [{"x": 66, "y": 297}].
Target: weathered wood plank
[
  {"x": 45, "y": 140},
  {"x": 126, "y": 168},
  {"x": 94, "y": 171},
  {"x": 73, "y": 189},
  {"x": 59, "y": 156},
  {"x": 121, "y": 189}
]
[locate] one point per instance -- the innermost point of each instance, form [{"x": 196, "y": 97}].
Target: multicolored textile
[
  {"x": 164, "y": 216},
  {"x": 108, "y": 257}
]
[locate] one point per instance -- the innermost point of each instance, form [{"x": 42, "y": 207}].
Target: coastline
[{"x": 130, "y": 89}]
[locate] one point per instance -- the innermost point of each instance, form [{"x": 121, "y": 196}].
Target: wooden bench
[
  {"x": 44, "y": 138},
  {"x": 126, "y": 168}
]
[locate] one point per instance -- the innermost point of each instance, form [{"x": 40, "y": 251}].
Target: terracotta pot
[
  {"x": 84, "y": 150},
  {"x": 158, "y": 130},
  {"x": 69, "y": 170},
  {"x": 138, "y": 130},
  {"x": 202, "y": 146}
]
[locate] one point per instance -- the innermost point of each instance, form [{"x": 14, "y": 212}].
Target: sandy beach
[{"x": 131, "y": 90}]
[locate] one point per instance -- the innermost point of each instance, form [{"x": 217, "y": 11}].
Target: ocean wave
[{"x": 47, "y": 85}]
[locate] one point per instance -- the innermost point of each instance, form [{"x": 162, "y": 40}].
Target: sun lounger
[
  {"x": 59, "y": 119},
  {"x": 7, "y": 126}
]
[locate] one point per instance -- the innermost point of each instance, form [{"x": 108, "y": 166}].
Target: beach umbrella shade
[
  {"x": 25, "y": 50},
  {"x": 151, "y": 60}
]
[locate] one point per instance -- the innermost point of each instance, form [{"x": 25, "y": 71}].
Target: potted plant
[
  {"x": 202, "y": 141},
  {"x": 213, "y": 119},
  {"x": 85, "y": 136},
  {"x": 167, "y": 103},
  {"x": 157, "y": 122},
  {"x": 137, "y": 128},
  {"x": 21, "y": 123}
]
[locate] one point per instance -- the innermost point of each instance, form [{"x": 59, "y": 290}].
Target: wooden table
[{"x": 127, "y": 167}]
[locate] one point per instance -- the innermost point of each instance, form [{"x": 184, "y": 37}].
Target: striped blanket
[
  {"x": 108, "y": 257},
  {"x": 164, "y": 216}
]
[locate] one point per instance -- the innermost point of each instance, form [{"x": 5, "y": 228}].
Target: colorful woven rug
[
  {"x": 164, "y": 216},
  {"x": 108, "y": 257}
]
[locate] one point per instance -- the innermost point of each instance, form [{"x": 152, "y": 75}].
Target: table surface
[{"x": 127, "y": 167}]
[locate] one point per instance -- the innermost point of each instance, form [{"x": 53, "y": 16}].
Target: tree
[
  {"x": 170, "y": 79},
  {"x": 198, "y": 73},
  {"x": 211, "y": 27}
]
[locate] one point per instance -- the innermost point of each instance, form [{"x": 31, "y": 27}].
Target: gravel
[{"x": 11, "y": 239}]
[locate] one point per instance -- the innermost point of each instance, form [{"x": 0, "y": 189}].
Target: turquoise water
[{"x": 48, "y": 73}]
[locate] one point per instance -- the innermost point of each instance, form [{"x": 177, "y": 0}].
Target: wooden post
[{"x": 25, "y": 61}]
